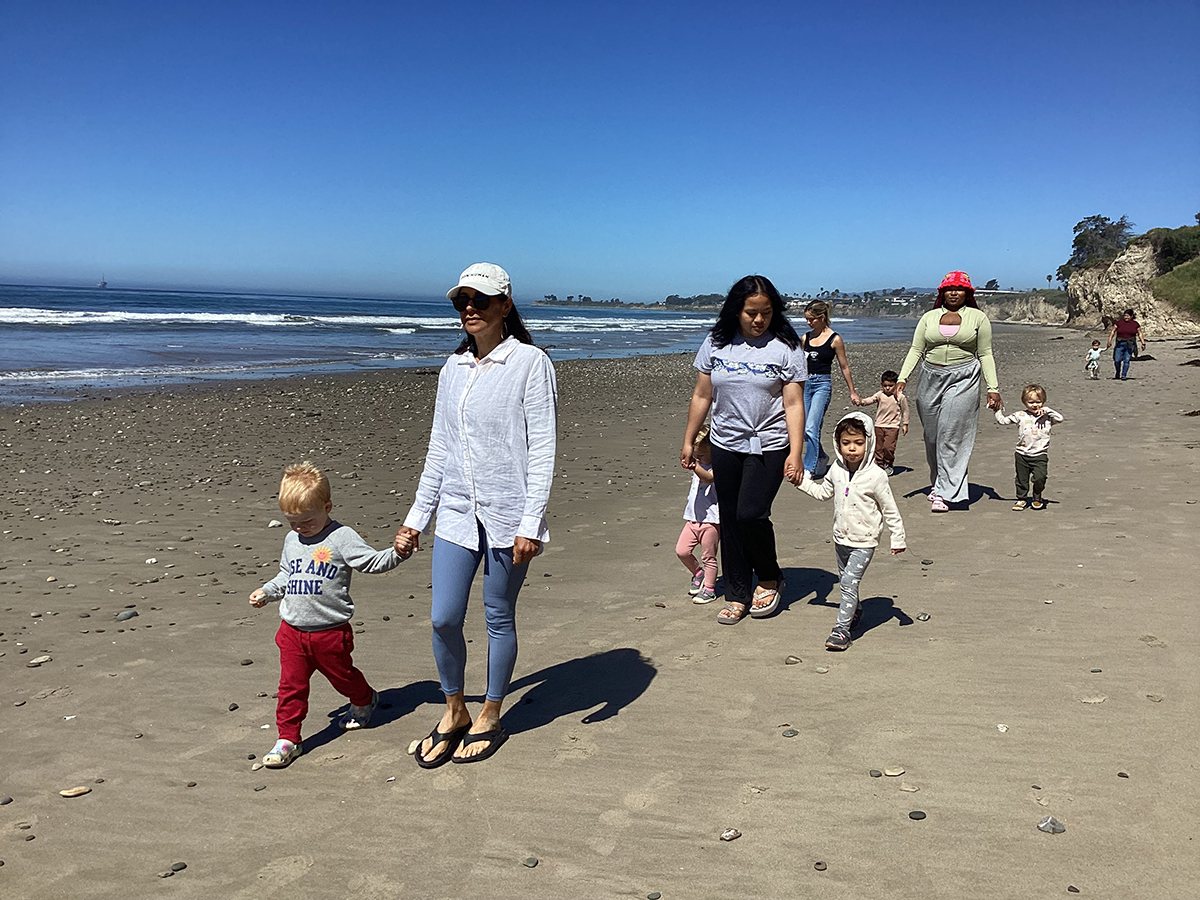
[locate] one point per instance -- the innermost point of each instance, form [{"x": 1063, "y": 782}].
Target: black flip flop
[
  {"x": 452, "y": 739},
  {"x": 497, "y": 736}
]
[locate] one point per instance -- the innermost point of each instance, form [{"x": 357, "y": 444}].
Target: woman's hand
[
  {"x": 855, "y": 399},
  {"x": 686, "y": 459},
  {"x": 900, "y": 386},
  {"x": 407, "y": 540},
  {"x": 994, "y": 401},
  {"x": 793, "y": 468},
  {"x": 525, "y": 549}
]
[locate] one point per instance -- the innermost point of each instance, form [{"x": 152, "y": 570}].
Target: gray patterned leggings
[{"x": 852, "y": 565}]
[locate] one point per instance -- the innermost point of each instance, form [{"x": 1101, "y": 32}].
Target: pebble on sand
[
  {"x": 820, "y": 866},
  {"x": 38, "y": 661},
  {"x": 916, "y": 815},
  {"x": 822, "y": 670},
  {"x": 1122, "y": 774},
  {"x": 126, "y": 614},
  {"x": 51, "y": 578},
  {"x": 261, "y": 787},
  {"x": 75, "y": 791},
  {"x": 247, "y": 662},
  {"x": 232, "y": 707},
  {"x": 730, "y": 834},
  {"x": 790, "y": 733},
  {"x": 923, "y": 617},
  {"x": 178, "y": 867},
  {"x": 653, "y": 895},
  {"x": 412, "y": 748},
  {"x": 530, "y": 862},
  {"x": 875, "y": 773},
  {"x": 893, "y": 771},
  {"x": 927, "y": 562},
  {"x": 4, "y": 801},
  {"x": 792, "y": 661},
  {"x": 274, "y": 523},
  {"x": 1051, "y": 825},
  {"x": 908, "y": 788}
]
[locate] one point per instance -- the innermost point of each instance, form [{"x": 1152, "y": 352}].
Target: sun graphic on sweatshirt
[{"x": 322, "y": 555}]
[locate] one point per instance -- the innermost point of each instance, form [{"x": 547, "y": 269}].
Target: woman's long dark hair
[
  {"x": 728, "y": 326},
  {"x": 513, "y": 327}
]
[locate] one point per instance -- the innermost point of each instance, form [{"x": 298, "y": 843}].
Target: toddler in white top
[
  {"x": 1033, "y": 441},
  {"x": 1093, "y": 361},
  {"x": 701, "y": 524}
]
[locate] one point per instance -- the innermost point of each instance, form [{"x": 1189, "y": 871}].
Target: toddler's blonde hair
[
  {"x": 702, "y": 442},
  {"x": 1035, "y": 389},
  {"x": 303, "y": 487}
]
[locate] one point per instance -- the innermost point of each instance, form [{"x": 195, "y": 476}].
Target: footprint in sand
[{"x": 276, "y": 876}]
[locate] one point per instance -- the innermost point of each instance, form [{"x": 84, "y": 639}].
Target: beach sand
[{"x": 641, "y": 729}]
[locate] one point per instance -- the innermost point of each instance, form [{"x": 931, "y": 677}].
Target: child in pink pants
[{"x": 701, "y": 525}]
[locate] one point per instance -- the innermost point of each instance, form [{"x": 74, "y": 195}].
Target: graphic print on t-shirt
[
  {"x": 320, "y": 567},
  {"x": 764, "y": 370}
]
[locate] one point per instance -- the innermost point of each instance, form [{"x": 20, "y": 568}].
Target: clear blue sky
[{"x": 615, "y": 149}]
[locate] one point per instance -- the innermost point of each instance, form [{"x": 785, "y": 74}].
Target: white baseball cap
[{"x": 487, "y": 278}]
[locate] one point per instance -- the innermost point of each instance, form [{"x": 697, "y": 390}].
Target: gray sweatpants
[
  {"x": 948, "y": 404},
  {"x": 852, "y": 565}
]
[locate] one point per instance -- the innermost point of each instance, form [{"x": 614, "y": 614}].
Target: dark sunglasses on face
[{"x": 480, "y": 301}]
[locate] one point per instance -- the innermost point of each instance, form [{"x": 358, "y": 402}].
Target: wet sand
[{"x": 641, "y": 729}]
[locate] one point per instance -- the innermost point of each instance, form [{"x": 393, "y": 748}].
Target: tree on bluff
[
  {"x": 1098, "y": 239},
  {"x": 992, "y": 285}
]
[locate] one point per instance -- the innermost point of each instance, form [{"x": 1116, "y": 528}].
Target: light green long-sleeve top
[{"x": 973, "y": 340}]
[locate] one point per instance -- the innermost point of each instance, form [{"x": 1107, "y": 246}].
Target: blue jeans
[
  {"x": 1122, "y": 357},
  {"x": 817, "y": 391},
  {"x": 454, "y": 569}
]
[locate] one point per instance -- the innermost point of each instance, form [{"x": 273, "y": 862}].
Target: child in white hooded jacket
[{"x": 862, "y": 502}]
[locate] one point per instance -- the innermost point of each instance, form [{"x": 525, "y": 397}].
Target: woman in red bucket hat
[{"x": 953, "y": 344}]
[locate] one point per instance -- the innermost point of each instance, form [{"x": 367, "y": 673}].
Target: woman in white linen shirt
[{"x": 487, "y": 476}]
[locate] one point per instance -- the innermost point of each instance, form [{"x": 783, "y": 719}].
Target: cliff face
[
  {"x": 1031, "y": 310},
  {"x": 1098, "y": 296}
]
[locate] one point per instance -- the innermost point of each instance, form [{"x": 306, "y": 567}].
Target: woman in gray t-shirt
[{"x": 751, "y": 375}]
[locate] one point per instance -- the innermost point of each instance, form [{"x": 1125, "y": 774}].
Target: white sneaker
[{"x": 360, "y": 716}]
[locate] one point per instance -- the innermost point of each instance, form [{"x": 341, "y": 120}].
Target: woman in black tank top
[{"x": 821, "y": 345}]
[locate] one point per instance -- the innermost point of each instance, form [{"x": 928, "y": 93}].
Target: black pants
[
  {"x": 1035, "y": 467},
  {"x": 746, "y": 487}
]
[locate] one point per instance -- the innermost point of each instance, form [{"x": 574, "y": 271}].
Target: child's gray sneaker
[
  {"x": 706, "y": 595},
  {"x": 839, "y": 638},
  {"x": 360, "y": 716},
  {"x": 697, "y": 582}
]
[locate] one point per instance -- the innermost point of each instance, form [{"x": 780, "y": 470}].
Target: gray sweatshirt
[{"x": 314, "y": 576}]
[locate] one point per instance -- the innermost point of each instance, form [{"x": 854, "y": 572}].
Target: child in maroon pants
[
  {"x": 891, "y": 421},
  {"x": 313, "y": 587}
]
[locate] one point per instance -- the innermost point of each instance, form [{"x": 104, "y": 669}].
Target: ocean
[{"x": 57, "y": 341}]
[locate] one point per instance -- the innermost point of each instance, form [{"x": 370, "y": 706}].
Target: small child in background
[
  {"x": 1093, "y": 361},
  {"x": 313, "y": 587},
  {"x": 890, "y": 422},
  {"x": 862, "y": 502},
  {"x": 701, "y": 524},
  {"x": 1033, "y": 441}
]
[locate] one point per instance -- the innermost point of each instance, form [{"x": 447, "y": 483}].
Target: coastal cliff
[
  {"x": 1098, "y": 295},
  {"x": 1023, "y": 309}
]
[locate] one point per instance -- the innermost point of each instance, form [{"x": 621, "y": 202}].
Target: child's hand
[
  {"x": 407, "y": 540},
  {"x": 896, "y": 551},
  {"x": 904, "y": 428},
  {"x": 258, "y": 599}
]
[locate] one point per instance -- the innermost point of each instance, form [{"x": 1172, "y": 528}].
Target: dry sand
[{"x": 640, "y": 728}]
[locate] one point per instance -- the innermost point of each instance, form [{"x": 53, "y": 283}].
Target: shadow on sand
[
  {"x": 975, "y": 493},
  {"x": 611, "y": 680}
]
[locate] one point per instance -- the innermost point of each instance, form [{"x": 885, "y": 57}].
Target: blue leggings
[{"x": 454, "y": 569}]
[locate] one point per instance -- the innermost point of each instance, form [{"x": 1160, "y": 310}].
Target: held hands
[
  {"x": 855, "y": 398},
  {"x": 994, "y": 401},
  {"x": 407, "y": 540},
  {"x": 900, "y": 387},
  {"x": 793, "y": 469},
  {"x": 525, "y": 549},
  {"x": 686, "y": 459},
  {"x": 258, "y": 599}
]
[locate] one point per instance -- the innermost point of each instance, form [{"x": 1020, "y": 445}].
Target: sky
[{"x": 613, "y": 149}]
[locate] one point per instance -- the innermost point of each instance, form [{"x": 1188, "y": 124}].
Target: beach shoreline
[{"x": 640, "y": 728}]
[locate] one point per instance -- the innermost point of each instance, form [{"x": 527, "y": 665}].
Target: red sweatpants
[{"x": 300, "y": 654}]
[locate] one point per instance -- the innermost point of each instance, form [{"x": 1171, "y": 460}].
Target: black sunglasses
[{"x": 480, "y": 301}]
